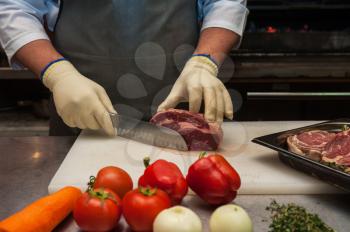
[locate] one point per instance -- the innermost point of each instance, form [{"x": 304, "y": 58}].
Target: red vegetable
[
  {"x": 97, "y": 210},
  {"x": 213, "y": 179},
  {"x": 165, "y": 176},
  {"x": 113, "y": 178},
  {"x": 141, "y": 206}
]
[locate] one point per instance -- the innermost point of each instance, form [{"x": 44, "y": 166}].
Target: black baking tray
[{"x": 277, "y": 141}]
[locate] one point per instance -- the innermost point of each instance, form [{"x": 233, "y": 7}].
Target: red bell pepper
[
  {"x": 165, "y": 176},
  {"x": 213, "y": 179}
]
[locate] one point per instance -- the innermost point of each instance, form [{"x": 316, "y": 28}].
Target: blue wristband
[
  {"x": 48, "y": 65},
  {"x": 208, "y": 56}
]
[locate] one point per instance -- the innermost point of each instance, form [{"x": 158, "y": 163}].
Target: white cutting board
[{"x": 259, "y": 167}]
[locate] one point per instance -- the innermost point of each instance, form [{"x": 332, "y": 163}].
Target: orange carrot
[{"x": 44, "y": 214}]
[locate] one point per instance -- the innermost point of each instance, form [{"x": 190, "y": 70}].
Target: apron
[{"x": 135, "y": 49}]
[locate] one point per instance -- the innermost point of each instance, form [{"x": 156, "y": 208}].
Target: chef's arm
[
  {"x": 217, "y": 42},
  {"x": 198, "y": 80},
  {"x": 36, "y": 55},
  {"x": 79, "y": 101},
  {"x": 223, "y": 23}
]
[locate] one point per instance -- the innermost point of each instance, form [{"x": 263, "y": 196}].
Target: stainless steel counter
[{"x": 28, "y": 163}]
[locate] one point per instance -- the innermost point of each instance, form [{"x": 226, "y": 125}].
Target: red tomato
[
  {"x": 97, "y": 210},
  {"x": 115, "y": 179},
  {"x": 142, "y": 205}
]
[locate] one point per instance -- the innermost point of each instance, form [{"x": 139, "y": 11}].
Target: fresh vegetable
[
  {"x": 213, "y": 179},
  {"x": 141, "y": 206},
  {"x": 166, "y": 176},
  {"x": 97, "y": 210},
  {"x": 44, "y": 214},
  {"x": 292, "y": 217},
  {"x": 230, "y": 218},
  {"x": 113, "y": 178},
  {"x": 334, "y": 165},
  {"x": 177, "y": 219}
]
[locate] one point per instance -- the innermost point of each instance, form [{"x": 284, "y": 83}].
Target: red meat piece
[{"x": 198, "y": 133}]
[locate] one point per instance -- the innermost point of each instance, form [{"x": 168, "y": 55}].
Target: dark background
[{"x": 293, "y": 64}]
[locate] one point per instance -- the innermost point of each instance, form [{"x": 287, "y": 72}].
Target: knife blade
[{"x": 147, "y": 133}]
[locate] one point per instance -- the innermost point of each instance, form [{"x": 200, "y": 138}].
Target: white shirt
[{"x": 21, "y": 21}]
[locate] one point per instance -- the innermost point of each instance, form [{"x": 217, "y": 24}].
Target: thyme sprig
[
  {"x": 294, "y": 218},
  {"x": 334, "y": 165}
]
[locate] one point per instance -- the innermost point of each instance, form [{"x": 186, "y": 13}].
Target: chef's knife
[{"x": 147, "y": 133}]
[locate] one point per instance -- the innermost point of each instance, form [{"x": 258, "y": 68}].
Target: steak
[
  {"x": 198, "y": 134},
  {"x": 310, "y": 143},
  {"x": 338, "y": 150},
  {"x": 323, "y": 146}
]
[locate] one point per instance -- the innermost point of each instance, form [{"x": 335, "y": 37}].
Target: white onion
[
  {"x": 230, "y": 218},
  {"x": 177, "y": 219}
]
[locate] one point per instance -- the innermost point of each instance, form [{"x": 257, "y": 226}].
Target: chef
[{"x": 129, "y": 56}]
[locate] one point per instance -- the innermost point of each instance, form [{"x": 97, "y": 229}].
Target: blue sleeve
[
  {"x": 228, "y": 14},
  {"x": 21, "y": 22}
]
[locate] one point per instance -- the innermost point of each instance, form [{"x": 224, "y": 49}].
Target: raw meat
[
  {"x": 338, "y": 150},
  {"x": 323, "y": 146},
  {"x": 198, "y": 133},
  {"x": 310, "y": 144}
]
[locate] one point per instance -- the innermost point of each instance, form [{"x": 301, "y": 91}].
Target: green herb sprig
[
  {"x": 294, "y": 218},
  {"x": 334, "y": 165},
  {"x": 345, "y": 127}
]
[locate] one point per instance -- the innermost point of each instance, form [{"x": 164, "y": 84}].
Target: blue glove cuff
[
  {"x": 207, "y": 56},
  {"x": 48, "y": 65}
]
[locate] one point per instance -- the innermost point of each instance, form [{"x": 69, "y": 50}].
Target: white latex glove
[
  {"x": 79, "y": 101},
  {"x": 197, "y": 80}
]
